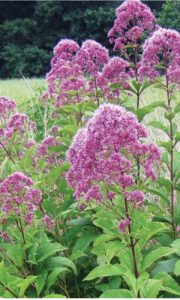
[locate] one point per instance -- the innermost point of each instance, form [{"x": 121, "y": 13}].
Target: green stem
[
  {"x": 23, "y": 236},
  {"x": 8, "y": 289},
  {"x": 132, "y": 246},
  {"x": 172, "y": 200},
  {"x": 11, "y": 261},
  {"x": 138, "y": 100},
  {"x": 97, "y": 97},
  {"x": 7, "y": 152}
]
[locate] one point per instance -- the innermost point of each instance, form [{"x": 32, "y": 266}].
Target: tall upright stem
[
  {"x": 136, "y": 60},
  {"x": 132, "y": 246},
  {"x": 171, "y": 161},
  {"x": 96, "y": 90},
  {"x": 7, "y": 152},
  {"x": 20, "y": 227},
  {"x": 9, "y": 290},
  {"x": 138, "y": 160},
  {"x": 138, "y": 100}
]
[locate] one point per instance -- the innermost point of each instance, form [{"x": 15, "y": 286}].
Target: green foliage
[
  {"x": 85, "y": 254},
  {"x": 103, "y": 271},
  {"x": 169, "y": 16},
  {"x": 117, "y": 293}
]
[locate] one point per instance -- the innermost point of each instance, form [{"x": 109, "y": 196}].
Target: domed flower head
[
  {"x": 7, "y": 106},
  {"x": 65, "y": 75},
  {"x": 116, "y": 71},
  {"x": 103, "y": 154},
  {"x": 65, "y": 49},
  {"x": 92, "y": 57},
  {"x": 15, "y": 130},
  {"x": 134, "y": 20},
  {"x": 49, "y": 223},
  {"x": 45, "y": 150},
  {"x": 18, "y": 196},
  {"x": 162, "y": 52}
]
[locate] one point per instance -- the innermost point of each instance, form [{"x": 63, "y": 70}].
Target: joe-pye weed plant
[{"x": 86, "y": 207}]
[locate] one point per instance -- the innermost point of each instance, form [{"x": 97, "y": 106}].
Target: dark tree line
[{"x": 30, "y": 29}]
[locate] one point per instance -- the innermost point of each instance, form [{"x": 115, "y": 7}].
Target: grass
[{"x": 20, "y": 89}]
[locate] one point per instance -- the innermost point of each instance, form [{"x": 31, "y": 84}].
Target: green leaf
[
  {"x": 4, "y": 276},
  {"x": 167, "y": 266},
  {"x": 28, "y": 158},
  {"x": 176, "y": 162},
  {"x": 77, "y": 254},
  {"x": 165, "y": 182},
  {"x": 147, "y": 233},
  {"x": 59, "y": 261},
  {"x": 168, "y": 283},
  {"x": 118, "y": 293},
  {"x": 40, "y": 281},
  {"x": 25, "y": 284},
  {"x": 142, "y": 112},
  {"x": 16, "y": 252},
  {"x": 177, "y": 177},
  {"x": 54, "y": 275},
  {"x": 69, "y": 129},
  {"x": 113, "y": 284},
  {"x": 177, "y": 137},
  {"x": 151, "y": 288},
  {"x": 48, "y": 249},
  {"x": 155, "y": 255},
  {"x": 116, "y": 86},
  {"x": 104, "y": 271},
  {"x": 80, "y": 222},
  {"x": 145, "y": 85},
  {"x": 158, "y": 85},
  {"x": 55, "y": 296},
  {"x": 159, "y": 193},
  {"x": 137, "y": 85},
  {"x": 177, "y": 108},
  {"x": 84, "y": 240},
  {"x": 72, "y": 93},
  {"x": 167, "y": 145},
  {"x": 177, "y": 268},
  {"x": 55, "y": 173},
  {"x": 176, "y": 244},
  {"x": 113, "y": 250},
  {"x": 169, "y": 116},
  {"x": 159, "y": 125},
  {"x": 58, "y": 148}
]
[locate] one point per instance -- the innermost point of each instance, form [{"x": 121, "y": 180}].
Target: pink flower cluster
[
  {"x": 49, "y": 223},
  {"x": 134, "y": 19},
  {"x": 65, "y": 74},
  {"x": 122, "y": 224},
  {"x": 162, "y": 51},
  {"x": 19, "y": 123},
  {"x": 92, "y": 57},
  {"x": 116, "y": 71},
  {"x": 14, "y": 127},
  {"x": 7, "y": 106},
  {"x": 17, "y": 196},
  {"x": 45, "y": 150},
  {"x": 105, "y": 151},
  {"x": 74, "y": 71}
]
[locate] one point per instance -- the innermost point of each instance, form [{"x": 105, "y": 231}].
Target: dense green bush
[{"x": 170, "y": 15}]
